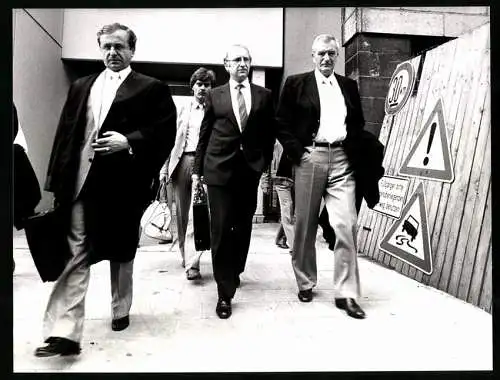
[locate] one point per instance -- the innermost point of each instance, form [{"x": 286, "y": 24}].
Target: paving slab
[{"x": 174, "y": 328}]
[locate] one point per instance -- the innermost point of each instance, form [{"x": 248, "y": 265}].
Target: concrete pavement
[{"x": 174, "y": 328}]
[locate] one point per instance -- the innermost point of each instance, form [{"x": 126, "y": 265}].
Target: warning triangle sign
[
  {"x": 430, "y": 155},
  {"x": 408, "y": 237}
]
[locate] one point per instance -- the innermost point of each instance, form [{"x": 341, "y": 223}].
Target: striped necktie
[{"x": 242, "y": 108}]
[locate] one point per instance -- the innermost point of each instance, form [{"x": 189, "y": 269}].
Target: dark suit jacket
[
  {"x": 218, "y": 153},
  {"x": 117, "y": 188},
  {"x": 26, "y": 188},
  {"x": 298, "y": 117}
]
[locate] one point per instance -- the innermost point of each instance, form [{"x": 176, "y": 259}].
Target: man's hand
[{"x": 111, "y": 142}]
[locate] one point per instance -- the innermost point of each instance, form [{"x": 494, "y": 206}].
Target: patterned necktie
[{"x": 242, "y": 108}]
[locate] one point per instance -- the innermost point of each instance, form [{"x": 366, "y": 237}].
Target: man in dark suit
[
  {"x": 115, "y": 131},
  {"x": 319, "y": 122},
  {"x": 235, "y": 145}
]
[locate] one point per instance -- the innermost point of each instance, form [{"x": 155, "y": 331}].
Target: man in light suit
[
  {"x": 236, "y": 144},
  {"x": 115, "y": 131},
  {"x": 180, "y": 163},
  {"x": 320, "y": 121}
]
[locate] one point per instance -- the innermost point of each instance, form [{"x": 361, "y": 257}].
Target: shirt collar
[
  {"x": 122, "y": 74},
  {"x": 233, "y": 84},
  {"x": 194, "y": 103},
  {"x": 320, "y": 78}
]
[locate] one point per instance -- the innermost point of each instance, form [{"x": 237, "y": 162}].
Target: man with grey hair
[
  {"x": 116, "y": 130},
  {"x": 319, "y": 121},
  {"x": 236, "y": 142}
]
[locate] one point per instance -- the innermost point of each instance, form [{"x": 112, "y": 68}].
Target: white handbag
[{"x": 155, "y": 221}]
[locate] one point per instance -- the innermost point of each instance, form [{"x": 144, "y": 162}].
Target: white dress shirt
[
  {"x": 333, "y": 112},
  {"x": 103, "y": 92},
  {"x": 234, "y": 98},
  {"x": 195, "y": 117}
]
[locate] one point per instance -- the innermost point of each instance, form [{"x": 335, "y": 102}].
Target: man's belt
[{"x": 327, "y": 145}]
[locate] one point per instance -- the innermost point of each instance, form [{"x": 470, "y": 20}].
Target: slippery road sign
[
  {"x": 408, "y": 237},
  {"x": 430, "y": 155}
]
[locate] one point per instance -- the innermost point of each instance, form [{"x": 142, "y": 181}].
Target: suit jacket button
[{"x": 313, "y": 135}]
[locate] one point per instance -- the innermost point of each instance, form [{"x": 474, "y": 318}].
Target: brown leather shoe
[
  {"x": 223, "y": 308},
  {"x": 120, "y": 323},
  {"x": 58, "y": 346},
  {"x": 305, "y": 295},
  {"x": 351, "y": 307}
]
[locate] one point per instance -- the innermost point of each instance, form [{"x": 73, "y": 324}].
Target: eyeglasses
[{"x": 239, "y": 59}]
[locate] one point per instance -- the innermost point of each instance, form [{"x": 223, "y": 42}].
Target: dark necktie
[{"x": 241, "y": 107}]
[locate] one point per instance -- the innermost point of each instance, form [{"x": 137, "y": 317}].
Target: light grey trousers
[
  {"x": 65, "y": 311},
  {"x": 325, "y": 172},
  {"x": 182, "y": 184},
  {"x": 284, "y": 190}
]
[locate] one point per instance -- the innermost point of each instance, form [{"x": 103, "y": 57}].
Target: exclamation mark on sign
[{"x": 431, "y": 137}]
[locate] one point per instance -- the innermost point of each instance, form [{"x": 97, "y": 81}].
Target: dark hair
[
  {"x": 203, "y": 75},
  {"x": 111, "y": 28}
]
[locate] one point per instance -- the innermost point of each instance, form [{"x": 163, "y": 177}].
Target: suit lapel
[
  {"x": 255, "y": 94},
  {"x": 126, "y": 88},
  {"x": 345, "y": 93},
  {"x": 84, "y": 98},
  {"x": 226, "y": 103},
  {"x": 311, "y": 89}
]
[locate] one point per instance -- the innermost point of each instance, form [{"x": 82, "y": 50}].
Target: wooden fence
[{"x": 458, "y": 212}]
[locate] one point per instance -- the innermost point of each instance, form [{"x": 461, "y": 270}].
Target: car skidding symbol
[{"x": 410, "y": 226}]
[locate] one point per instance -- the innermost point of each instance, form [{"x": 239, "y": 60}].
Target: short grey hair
[{"x": 326, "y": 38}]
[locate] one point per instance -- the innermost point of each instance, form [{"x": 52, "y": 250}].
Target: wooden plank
[
  {"x": 433, "y": 189},
  {"x": 481, "y": 187},
  {"x": 473, "y": 195},
  {"x": 486, "y": 288},
  {"x": 463, "y": 167},
  {"x": 431, "y": 72},
  {"x": 412, "y": 126},
  {"x": 467, "y": 92},
  {"x": 481, "y": 258}
]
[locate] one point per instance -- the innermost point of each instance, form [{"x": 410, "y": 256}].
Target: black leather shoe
[
  {"x": 282, "y": 244},
  {"x": 58, "y": 346},
  {"x": 305, "y": 295},
  {"x": 351, "y": 307},
  {"x": 223, "y": 308},
  {"x": 120, "y": 323}
]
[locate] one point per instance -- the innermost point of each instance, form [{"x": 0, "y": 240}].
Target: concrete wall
[
  {"x": 422, "y": 21},
  {"x": 181, "y": 35},
  {"x": 39, "y": 82},
  {"x": 301, "y": 26}
]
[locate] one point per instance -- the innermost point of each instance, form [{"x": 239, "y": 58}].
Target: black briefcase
[
  {"x": 46, "y": 233},
  {"x": 201, "y": 220}
]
